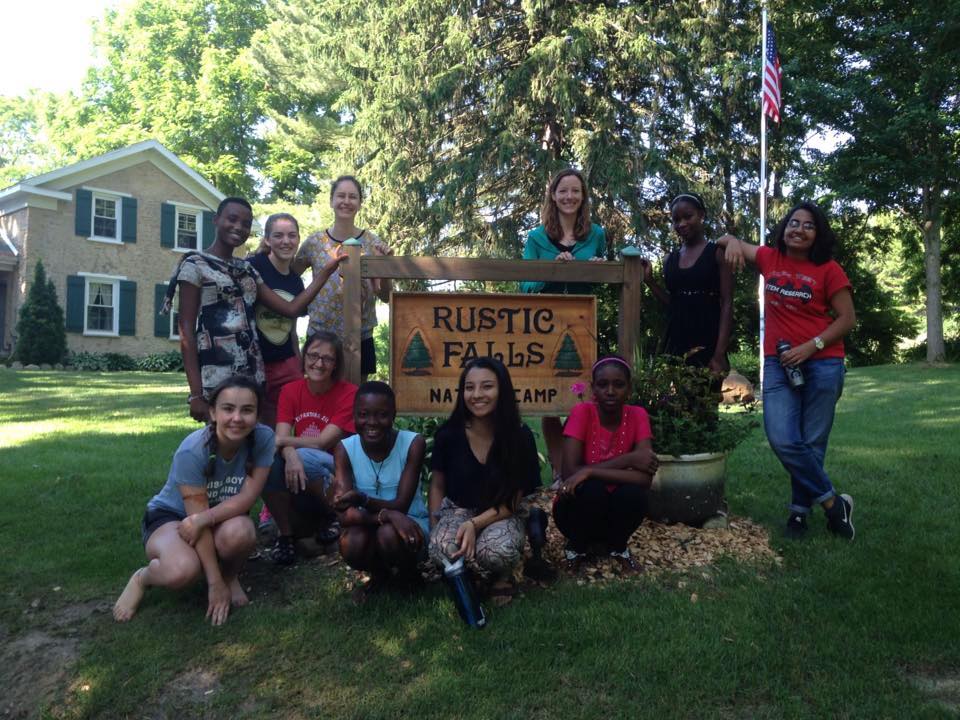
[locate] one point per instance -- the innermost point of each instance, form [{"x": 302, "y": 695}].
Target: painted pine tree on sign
[
  {"x": 417, "y": 357},
  {"x": 568, "y": 361}
]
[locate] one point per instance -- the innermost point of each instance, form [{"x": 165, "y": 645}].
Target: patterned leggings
[{"x": 499, "y": 545}]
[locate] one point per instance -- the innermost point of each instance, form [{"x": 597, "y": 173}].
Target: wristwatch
[{"x": 818, "y": 342}]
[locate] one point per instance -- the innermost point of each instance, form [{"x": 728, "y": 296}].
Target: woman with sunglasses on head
[
  {"x": 326, "y": 310},
  {"x": 808, "y": 309},
  {"x": 217, "y": 296},
  {"x": 565, "y": 234},
  {"x": 313, "y": 415},
  {"x": 698, "y": 290}
]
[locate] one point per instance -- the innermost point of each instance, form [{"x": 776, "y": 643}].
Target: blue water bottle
[{"x": 464, "y": 596}]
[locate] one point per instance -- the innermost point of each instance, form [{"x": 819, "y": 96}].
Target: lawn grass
[{"x": 837, "y": 630}]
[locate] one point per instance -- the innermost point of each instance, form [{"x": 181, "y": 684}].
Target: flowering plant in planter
[
  {"x": 683, "y": 404},
  {"x": 692, "y": 438}
]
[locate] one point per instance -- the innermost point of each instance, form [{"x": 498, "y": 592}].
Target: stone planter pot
[{"x": 688, "y": 488}]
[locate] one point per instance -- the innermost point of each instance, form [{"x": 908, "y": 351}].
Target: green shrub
[
  {"x": 102, "y": 362},
  {"x": 41, "y": 336},
  {"x": 918, "y": 353},
  {"x": 427, "y": 428},
  {"x": 170, "y": 361},
  {"x": 683, "y": 404}
]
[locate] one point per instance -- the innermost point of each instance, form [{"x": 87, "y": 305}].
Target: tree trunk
[{"x": 932, "y": 223}]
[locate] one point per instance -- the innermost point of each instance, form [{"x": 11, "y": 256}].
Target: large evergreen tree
[
  {"x": 41, "y": 336},
  {"x": 459, "y": 112}
]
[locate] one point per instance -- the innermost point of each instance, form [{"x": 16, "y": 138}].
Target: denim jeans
[
  {"x": 317, "y": 464},
  {"x": 798, "y": 425}
]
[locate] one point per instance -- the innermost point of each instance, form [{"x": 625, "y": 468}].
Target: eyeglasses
[
  {"x": 314, "y": 358},
  {"x": 794, "y": 223}
]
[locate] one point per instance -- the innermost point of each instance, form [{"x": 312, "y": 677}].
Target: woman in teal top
[
  {"x": 377, "y": 491},
  {"x": 565, "y": 234}
]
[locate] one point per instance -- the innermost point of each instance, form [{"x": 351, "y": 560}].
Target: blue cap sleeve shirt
[
  {"x": 382, "y": 479},
  {"x": 227, "y": 479}
]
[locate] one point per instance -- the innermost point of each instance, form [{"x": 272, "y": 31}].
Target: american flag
[{"x": 771, "y": 79}]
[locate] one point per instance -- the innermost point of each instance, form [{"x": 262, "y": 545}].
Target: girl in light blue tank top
[
  {"x": 381, "y": 479},
  {"x": 376, "y": 491}
]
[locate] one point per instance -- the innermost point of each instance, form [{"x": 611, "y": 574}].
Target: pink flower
[{"x": 577, "y": 389}]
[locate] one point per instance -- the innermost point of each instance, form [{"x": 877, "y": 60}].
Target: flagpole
[{"x": 763, "y": 178}]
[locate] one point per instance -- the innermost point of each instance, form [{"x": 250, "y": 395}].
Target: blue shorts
[
  {"x": 153, "y": 519},
  {"x": 318, "y": 466}
]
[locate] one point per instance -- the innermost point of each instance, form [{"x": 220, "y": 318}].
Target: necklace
[
  {"x": 340, "y": 242},
  {"x": 376, "y": 473},
  {"x": 373, "y": 466}
]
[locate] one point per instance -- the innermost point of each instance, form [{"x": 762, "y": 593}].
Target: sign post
[{"x": 628, "y": 275}]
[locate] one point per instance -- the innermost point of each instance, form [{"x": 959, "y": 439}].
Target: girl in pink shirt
[{"x": 608, "y": 464}]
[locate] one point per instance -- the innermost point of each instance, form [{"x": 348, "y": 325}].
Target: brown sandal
[
  {"x": 626, "y": 563},
  {"x": 502, "y": 595}
]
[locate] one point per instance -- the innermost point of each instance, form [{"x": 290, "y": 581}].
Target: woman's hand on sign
[{"x": 565, "y": 256}]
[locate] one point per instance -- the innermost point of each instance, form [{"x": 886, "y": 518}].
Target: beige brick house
[{"x": 109, "y": 231}]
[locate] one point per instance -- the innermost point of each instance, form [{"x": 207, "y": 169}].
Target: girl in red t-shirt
[
  {"x": 313, "y": 415},
  {"x": 808, "y": 304},
  {"x": 608, "y": 464}
]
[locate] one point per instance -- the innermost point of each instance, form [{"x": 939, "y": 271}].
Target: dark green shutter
[
  {"x": 128, "y": 307},
  {"x": 168, "y": 219},
  {"x": 81, "y": 224},
  {"x": 161, "y": 323},
  {"x": 75, "y": 292},
  {"x": 208, "y": 231},
  {"x": 128, "y": 223}
]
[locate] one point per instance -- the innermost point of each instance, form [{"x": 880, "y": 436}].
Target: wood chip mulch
[
  {"x": 659, "y": 548},
  {"x": 656, "y": 547}
]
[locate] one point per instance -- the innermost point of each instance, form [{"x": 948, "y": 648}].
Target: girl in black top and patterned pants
[{"x": 484, "y": 460}]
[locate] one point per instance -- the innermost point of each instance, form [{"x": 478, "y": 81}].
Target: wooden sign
[{"x": 547, "y": 342}]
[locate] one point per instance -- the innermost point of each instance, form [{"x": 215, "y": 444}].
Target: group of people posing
[{"x": 327, "y": 458}]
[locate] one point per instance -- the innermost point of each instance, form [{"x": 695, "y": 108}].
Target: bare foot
[
  {"x": 129, "y": 600},
  {"x": 238, "y": 598}
]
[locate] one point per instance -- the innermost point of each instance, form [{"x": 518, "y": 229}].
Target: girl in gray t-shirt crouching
[{"x": 199, "y": 522}]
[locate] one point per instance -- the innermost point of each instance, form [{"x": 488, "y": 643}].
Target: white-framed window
[
  {"x": 187, "y": 230},
  {"x": 175, "y": 316},
  {"x": 101, "y": 306},
  {"x": 106, "y": 217}
]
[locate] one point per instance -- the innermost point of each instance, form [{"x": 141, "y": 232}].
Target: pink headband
[{"x": 609, "y": 359}]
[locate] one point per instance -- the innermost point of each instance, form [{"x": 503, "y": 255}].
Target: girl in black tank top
[{"x": 699, "y": 291}]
